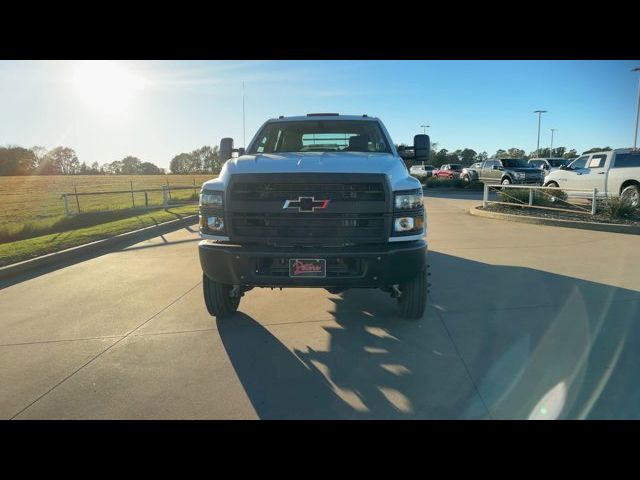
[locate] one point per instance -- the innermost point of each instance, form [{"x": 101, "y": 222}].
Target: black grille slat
[
  {"x": 249, "y": 191},
  {"x": 308, "y": 226}
]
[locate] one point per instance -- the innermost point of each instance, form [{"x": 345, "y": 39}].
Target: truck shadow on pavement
[{"x": 495, "y": 342}]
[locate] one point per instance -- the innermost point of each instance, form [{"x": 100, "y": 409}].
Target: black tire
[
  {"x": 217, "y": 299},
  {"x": 466, "y": 179},
  {"x": 506, "y": 181},
  {"x": 632, "y": 194},
  {"x": 552, "y": 185},
  {"x": 413, "y": 301}
]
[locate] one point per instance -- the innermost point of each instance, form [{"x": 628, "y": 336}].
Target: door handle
[{"x": 600, "y": 173}]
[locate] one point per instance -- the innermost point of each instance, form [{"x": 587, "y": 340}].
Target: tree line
[
  {"x": 64, "y": 161},
  {"x": 15, "y": 160},
  {"x": 61, "y": 160}
]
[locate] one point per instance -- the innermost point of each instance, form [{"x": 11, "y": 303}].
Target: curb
[
  {"x": 552, "y": 222},
  {"x": 14, "y": 269}
]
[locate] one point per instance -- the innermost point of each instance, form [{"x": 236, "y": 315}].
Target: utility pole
[
  {"x": 244, "y": 139},
  {"x": 551, "y": 149},
  {"x": 635, "y": 132},
  {"x": 424, "y": 129},
  {"x": 539, "y": 112}
]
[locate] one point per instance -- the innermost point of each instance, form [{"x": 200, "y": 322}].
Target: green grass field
[
  {"x": 32, "y": 219},
  {"x": 35, "y": 203}
]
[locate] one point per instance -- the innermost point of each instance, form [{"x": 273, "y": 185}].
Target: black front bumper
[{"x": 378, "y": 265}]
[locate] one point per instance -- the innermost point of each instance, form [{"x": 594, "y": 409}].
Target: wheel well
[
  {"x": 506, "y": 176},
  {"x": 628, "y": 183},
  {"x": 550, "y": 182}
]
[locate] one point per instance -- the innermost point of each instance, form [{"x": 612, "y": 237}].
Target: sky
[{"x": 154, "y": 110}]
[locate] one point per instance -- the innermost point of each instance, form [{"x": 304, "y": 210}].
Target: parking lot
[{"x": 524, "y": 321}]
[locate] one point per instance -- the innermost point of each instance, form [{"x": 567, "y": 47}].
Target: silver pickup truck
[{"x": 322, "y": 200}]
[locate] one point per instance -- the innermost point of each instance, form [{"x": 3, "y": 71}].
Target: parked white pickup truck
[{"x": 614, "y": 173}]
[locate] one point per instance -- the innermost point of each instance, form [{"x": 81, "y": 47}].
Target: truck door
[
  {"x": 486, "y": 170},
  {"x": 573, "y": 178},
  {"x": 496, "y": 173},
  {"x": 594, "y": 175}
]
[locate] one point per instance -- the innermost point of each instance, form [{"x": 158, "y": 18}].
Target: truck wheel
[
  {"x": 413, "y": 301},
  {"x": 631, "y": 194},
  {"x": 506, "y": 181},
  {"x": 466, "y": 179},
  {"x": 552, "y": 185},
  {"x": 217, "y": 299}
]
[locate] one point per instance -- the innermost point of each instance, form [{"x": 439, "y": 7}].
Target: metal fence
[
  {"x": 166, "y": 190},
  {"x": 583, "y": 201}
]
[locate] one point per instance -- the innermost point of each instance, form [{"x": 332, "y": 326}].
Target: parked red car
[{"x": 449, "y": 170}]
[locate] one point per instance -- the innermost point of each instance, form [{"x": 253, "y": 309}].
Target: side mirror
[
  {"x": 240, "y": 151},
  {"x": 495, "y": 167},
  {"x": 226, "y": 149},
  {"x": 563, "y": 167},
  {"x": 422, "y": 147}
]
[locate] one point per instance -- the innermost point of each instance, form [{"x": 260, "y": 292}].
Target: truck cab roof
[
  {"x": 321, "y": 116},
  {"x": 615, "y": 150}
]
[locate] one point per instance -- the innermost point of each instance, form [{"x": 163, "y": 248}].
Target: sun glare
[{"x": 107, "y": 86}]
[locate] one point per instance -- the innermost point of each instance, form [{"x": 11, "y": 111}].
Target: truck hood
[
  {"x": 306, "y": 162},
  {"x": 320, "y": 162}
]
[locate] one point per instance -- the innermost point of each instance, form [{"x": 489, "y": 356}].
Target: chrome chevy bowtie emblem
[{"x": 306, "y": 204}]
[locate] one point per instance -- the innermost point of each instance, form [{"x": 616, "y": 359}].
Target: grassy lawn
[
  {"x": 37, "y": 200},
  {"x": 33, "y": 247}
]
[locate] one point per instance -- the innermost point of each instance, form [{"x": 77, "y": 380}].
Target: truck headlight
[
  {"x": 408, "y": 224},
  {"x": 409, "y": 200},
  {"x": 211, "y": 198},
  {"x": 214, "y": 223}
]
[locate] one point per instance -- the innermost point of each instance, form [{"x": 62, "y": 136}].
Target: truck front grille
[
  {"x": 308, "y": 228},
  {"x": 326, "y": 208}
]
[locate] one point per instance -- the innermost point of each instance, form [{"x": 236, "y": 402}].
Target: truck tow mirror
[
  {"x": 422, "y": 147},
  {"x": 226, "y": 149},
  {"x": 407, "y": 155}
]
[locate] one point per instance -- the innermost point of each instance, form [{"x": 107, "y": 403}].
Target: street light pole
[
  {"x": 244, "y": 137},
  {"x": 424, "y": 129},
  {"x": 539, "y": 112},
  {"x": 635, "y": 132},
  {"x": 551, "y": 149}
]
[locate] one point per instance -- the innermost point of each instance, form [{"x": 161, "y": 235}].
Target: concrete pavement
[{"x": 524, "y": 321}]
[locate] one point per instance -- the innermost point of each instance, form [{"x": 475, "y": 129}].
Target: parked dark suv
[{"x": 506, "y": 171}]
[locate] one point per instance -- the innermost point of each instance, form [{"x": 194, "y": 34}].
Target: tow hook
[
  {"x": 235, "y": 292},
  {"x": 395, "y": 291}
]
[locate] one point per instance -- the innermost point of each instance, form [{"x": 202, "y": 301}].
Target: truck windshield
[
  {"x": 514, "y": 162},
  {"x": 557, "y": 162},
  {"x": 321, "y": 136}
]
